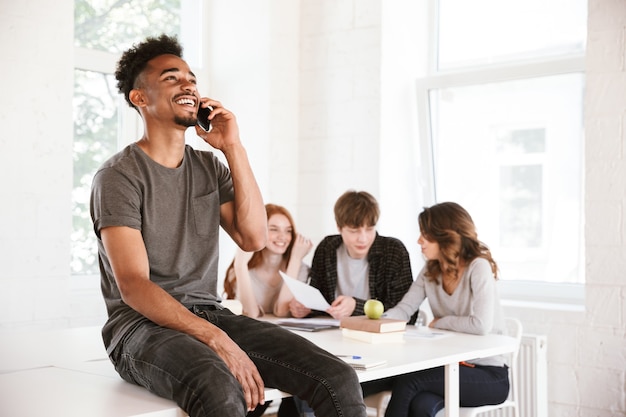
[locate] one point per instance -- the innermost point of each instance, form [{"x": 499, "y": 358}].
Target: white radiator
[{"x": 531, "y": 379}]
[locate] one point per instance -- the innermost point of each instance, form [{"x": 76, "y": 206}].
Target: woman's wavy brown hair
[
  {"x": 451, "y": 226},
  {"x": 230, "y": 281}
]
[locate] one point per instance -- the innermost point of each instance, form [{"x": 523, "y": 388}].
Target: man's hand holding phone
[{"x": 223, "y": 131}]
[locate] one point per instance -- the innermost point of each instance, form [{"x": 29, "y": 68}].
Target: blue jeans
[
  {"x": 420, "y": 394},
  {"x": 177, "y": 366}
]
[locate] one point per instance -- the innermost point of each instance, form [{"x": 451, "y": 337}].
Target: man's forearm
[{"x": 250, "y": 219}]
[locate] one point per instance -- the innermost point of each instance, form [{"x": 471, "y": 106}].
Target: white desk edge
[{"x": 81, "y": 351}]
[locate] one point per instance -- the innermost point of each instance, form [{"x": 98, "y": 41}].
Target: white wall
[
  {"x": 36, "y": 161},
  {"x": 340, "y": 49},
  {"x": 320, "y": 90},
  {"x": 601, "y": 338}
]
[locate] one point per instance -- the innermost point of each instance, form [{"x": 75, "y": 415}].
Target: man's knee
[{"x": 210, "y": 395}]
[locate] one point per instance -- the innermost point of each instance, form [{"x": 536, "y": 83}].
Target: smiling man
[{"x": 157, "y": 207}]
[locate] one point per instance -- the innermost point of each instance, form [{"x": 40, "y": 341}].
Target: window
[
  {"x": 501, "y": 118},
  {"x": 481, "y": 33},
  {"x": 103, "y": 122},
  {"x": 95, "y": 139}
]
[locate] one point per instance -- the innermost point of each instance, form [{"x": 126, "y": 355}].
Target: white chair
[{"x": 377, "y": 403}]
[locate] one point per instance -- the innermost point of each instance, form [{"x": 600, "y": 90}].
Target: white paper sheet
[
  {"x": 309, "y": 296},
  {"x": 413, "y": 332}
]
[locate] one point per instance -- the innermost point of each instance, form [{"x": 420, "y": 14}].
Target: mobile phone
[{"x": 203, "y": 117}]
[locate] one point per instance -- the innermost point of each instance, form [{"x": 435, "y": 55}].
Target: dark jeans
[
  {"x": 420, "y": 394},
  {"x": 177, "y": 366}
]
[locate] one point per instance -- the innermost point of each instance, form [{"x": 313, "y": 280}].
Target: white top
[{"x": 266, "y": 294}]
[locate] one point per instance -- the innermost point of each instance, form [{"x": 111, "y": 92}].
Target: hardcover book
[
  {"x": 363, "y": 323},
  {"x": 371, "y": 337}
]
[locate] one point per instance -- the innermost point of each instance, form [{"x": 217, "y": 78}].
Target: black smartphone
[{"x": 203, "y": 117}]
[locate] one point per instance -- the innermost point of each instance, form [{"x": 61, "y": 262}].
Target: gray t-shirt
[
  {"x": 352, "y": 275},
  {"x": 178, "y": 213}
]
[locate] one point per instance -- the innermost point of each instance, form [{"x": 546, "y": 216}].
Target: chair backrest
[{"x": 514, "y": 329}]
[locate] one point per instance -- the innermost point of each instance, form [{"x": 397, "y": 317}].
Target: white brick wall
[
  {"x": 601, "y": 337},
  {"x": 351, "y": 106},
  {"x": 36, "y": 161}
]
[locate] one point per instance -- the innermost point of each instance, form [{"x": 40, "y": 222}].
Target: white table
[
  {"x": 71, "y": 374},
  {"x": 27, "y": 349},
  {"x": 58, "y": 392},
  {"x": 418, "y": 353}
]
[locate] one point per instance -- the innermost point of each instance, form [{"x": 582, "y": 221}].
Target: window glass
[
  {"x": 111, "y": 26},
  {"x": 95, "y": 139},
  {"x": 114, "y": 25},
  {"x": 511, "y": 153},
  {"x": 484, "y": 32}
]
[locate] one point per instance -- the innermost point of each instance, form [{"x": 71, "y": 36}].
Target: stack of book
[{"x": 368, "y": 330}]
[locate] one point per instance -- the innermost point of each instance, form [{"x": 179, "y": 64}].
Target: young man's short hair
[
  {"x": 135, "y": 59},
  {"x": 356, "y": 209}
]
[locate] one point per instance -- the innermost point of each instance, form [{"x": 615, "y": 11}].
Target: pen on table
[{"x": 349, "y": 356}]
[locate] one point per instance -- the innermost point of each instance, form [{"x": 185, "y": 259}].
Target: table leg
[{"x": 452, "y": 390}]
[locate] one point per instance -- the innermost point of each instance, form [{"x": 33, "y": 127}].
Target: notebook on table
[
  {"x": 308, "y": 325},
  {"x": 361, "y": 363}
]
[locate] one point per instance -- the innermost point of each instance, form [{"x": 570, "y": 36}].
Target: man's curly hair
[{"x": 135, "y": 60}]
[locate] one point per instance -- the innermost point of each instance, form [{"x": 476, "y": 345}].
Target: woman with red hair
[{"x": 253, "y": 277}]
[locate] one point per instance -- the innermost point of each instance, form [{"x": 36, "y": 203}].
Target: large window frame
[
  {"x": 130, "y": 126},
  {"x": 528, "y": 293}
]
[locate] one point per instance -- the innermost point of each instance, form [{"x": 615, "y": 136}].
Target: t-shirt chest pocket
[{"x": 206, "y": 213}]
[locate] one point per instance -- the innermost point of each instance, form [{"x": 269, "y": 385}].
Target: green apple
[{"x": 373, "y": 309}]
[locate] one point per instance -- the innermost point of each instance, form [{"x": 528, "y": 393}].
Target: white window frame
[
  {"x": 130, "y": 123},
  {"x": 130, "y": 127},
  {"x": 562, "y": 296}
]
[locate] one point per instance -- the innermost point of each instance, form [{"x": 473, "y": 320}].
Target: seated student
[
  {"x": 459, "y": 280},
  {"x": 253, "y": 277},
  {"x": 358, "y": 264}
]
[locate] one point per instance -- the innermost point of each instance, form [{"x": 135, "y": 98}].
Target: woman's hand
[
  {"x": 301, "y": 247},
  {"x": 297, "y": 309}
]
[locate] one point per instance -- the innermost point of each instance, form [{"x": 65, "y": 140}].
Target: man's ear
[{"x": 137, "y": 98}]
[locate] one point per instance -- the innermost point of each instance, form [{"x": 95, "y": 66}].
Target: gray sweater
[{"x": 474, "y": 306}]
